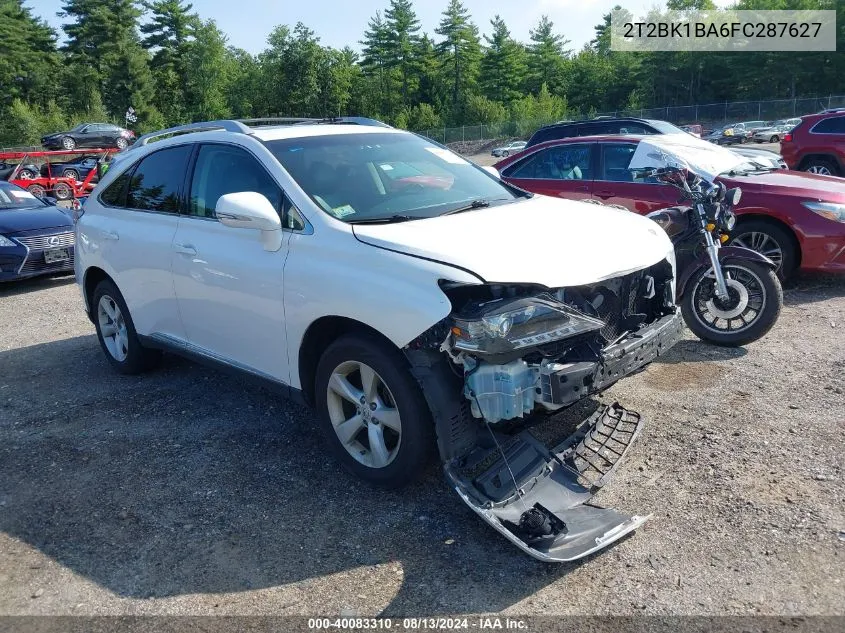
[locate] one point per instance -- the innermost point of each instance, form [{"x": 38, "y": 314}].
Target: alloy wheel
[
  {"x": 122, "y": 143},
  {"x": 113, "y": 328},
  {"x": 762, "y": 243},
  {"x": 71, "y": 173},
  {"x": 823, "y": 170},
  {"x": 25, "y": 174},
  {"x": 363, "y": 414},
  {"x": 68, "y": 143},
  {"x": 745, "y": 302}
]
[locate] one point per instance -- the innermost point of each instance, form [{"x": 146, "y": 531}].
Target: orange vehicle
[{"x": 47, "y": 183}]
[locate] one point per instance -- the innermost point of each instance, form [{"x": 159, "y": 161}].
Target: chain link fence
[{"x": 707, "y": 114}]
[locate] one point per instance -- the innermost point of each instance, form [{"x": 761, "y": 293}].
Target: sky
[{"x": 341, "y": 23}]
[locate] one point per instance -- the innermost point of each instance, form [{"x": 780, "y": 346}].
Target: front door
[
  {"x": 615, "y": 184},
  {"x": 228, "y": 287}
]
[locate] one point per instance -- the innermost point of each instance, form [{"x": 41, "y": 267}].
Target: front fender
[{"x": 727, "y": 254}]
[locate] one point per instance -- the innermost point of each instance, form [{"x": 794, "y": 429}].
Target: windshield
[
  {"x": 386, "y": 176},
  {"x": 682, "y": 150},
  {"x": 12, "y": 197},
  {"x": 663, "y": 127}
]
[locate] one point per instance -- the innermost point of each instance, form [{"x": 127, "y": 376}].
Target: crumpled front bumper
[{"x": 518, "y": 476}]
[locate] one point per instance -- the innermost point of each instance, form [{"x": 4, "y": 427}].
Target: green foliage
[{"x": 172, "y": 66}]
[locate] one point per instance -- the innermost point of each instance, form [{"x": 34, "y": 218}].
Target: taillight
[{"x": 787, "y": 138}]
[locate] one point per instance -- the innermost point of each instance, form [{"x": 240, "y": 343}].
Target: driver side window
[{"x": 222, "y": 169}]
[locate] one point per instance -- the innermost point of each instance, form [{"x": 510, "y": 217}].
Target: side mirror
[{"x": 251, "y": 210}]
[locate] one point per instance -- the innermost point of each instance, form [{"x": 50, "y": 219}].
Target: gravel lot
[{"x": 187, "y": 491}]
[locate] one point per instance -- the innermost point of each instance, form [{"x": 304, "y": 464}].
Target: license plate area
[
  {"x": 538, "y": 498},
  {"x": 56, "y": 255}
]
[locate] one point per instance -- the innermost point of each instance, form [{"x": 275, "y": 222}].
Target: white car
[
  {"x": 411, "y": 297},
  {"x": 511, "y": 148}
]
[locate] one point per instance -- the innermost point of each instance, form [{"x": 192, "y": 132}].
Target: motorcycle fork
[{"x": 713, "y": 252}]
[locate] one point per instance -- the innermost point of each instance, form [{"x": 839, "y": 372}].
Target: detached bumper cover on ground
[{"x": 537, "y": 497}]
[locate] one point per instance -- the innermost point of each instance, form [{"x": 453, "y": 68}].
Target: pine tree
[
  {"x": 503, "y": 64},
  {"x": 459, "y": 53},
  {"x": 376, "y": 62},
  {"x": 103, "y": 43},
  {"x": 29, "y": 61},
  {"x": 546, "y": 58},
  {"x": 169, "y": 34},
  {"x": 402, "y": 39}
]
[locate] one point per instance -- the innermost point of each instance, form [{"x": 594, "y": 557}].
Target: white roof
[{"x": 275, "y": 133}]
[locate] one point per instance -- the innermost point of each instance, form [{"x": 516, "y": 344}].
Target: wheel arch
[
  {"x": 319, "y": 335},
  {"x": 90, "y": 280},
  {"x": 768, "y": 219},
  {"x": 830, "y": 158}
]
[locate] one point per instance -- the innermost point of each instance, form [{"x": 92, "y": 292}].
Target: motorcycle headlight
[
  {"x": 6, "y": 242},
  {"x": 512, "y": 324},
  {"x": 829, "y": 210}
]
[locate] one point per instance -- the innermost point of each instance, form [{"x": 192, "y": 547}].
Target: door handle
[
  {"x": 111, "y": 235},
  {"x": 604, "y": 195},
  {"x": 184, "y": 249}
]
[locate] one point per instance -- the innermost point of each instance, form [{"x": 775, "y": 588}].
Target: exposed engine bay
[{"x": 508, "y": 356}]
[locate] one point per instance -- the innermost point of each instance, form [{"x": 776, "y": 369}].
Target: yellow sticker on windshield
[{"x": 342, "y": 211}]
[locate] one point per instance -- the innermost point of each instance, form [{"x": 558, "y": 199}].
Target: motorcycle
[{"x": 728, "y": 295}]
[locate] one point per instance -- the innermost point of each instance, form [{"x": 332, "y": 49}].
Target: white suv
[{"x": 411, "y": 297}]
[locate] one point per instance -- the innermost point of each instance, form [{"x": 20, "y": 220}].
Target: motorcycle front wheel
[{"x": 750, "y": 311}]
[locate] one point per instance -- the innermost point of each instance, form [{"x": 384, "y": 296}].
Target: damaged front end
[{"x": 509, "y": 356}]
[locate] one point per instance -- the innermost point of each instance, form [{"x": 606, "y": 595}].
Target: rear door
[
  {"x": 135, "y": 231},
  {"x": 563, "y": 171},
  {"x": 229, "y": 288},
  {"x": 615, "y": 184}
]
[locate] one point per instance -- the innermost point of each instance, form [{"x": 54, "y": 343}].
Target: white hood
[
  {"x": 542, "y": 240},
  {"x": 702, "y": 158}
]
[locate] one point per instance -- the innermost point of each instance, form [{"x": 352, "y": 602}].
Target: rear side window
[
  {"x": 222, "y": 169},
  {"x": 156, "y": 183},
  {"x": 115, "y": 194},
  {"x": 833, "y": 125},
  {"x": 566, "y": 162}
]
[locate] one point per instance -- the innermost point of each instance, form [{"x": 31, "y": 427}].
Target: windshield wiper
[
  {"x": 475, "y": 204},
  {"x": 387, "y": 220}
]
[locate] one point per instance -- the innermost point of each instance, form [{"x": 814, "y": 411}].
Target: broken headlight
[{"x": 505, "y": 325}]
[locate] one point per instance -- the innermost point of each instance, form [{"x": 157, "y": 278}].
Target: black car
[
  {"x": 36, "y": 238},
  {"x": 78, "y": 168},
  {"x": 604, "y": 125},
  {"x": 24, "y": 173},
  {"x": 90, "y": 135}
]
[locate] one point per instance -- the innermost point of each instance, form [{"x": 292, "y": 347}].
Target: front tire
[
  {"x": 116, "y": 331},
  {"x": 121, "y": 143},
  {"x": 756, "y": 298},
  {"x": 769, "y": 240},
  {"x": 62, "y": 191},
  {"x": 68, "y": 143},
  {"x": 70, "y": 173},
  {"x": 37, "y": 190},
  {"x": 26, "y": 174},
  {"x": 774, "y": 139},
  {"x": 372, "y": 412}
]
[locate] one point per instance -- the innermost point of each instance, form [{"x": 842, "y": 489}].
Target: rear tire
[
  {"x": 821, "y": 166},
  {"x": 396, "y": 397},
  {"x": 37, "y": 190},
  {"x": 765, "y": 238},
  {"x": 70, "y": 173},
  {"x": 116, "y": 331}
]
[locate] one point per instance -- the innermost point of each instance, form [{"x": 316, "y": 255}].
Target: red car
[
  {"x": 817, "y": 144},
  {"x": 796, "y": 219}
]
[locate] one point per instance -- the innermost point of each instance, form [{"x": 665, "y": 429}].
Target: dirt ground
[{"x": 188, "y": 491}]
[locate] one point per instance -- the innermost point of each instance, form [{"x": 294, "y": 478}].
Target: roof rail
[
  {"x": 229, "y": 126},
  {"x": 275, "y": 120}
]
